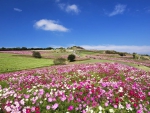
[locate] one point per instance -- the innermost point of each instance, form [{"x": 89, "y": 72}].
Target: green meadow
[{"x": 11, "y": 62}]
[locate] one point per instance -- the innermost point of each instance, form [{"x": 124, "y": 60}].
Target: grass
[
  {"x": 10, "y": 62},
  {"x": 137, "y": 66}
]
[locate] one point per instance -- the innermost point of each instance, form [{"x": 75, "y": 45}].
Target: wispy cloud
[
  {"x": 69, "y": 8},
  {"x": 57, "y": 0},
  {"x": 119, "y": 9},
  {"x": 148, "y": 11},
  {"x": 17, "y": 9},
  {"x": 62, "y": 6},
  {"x": 122, "y": 48},
  {"x": 50, "y": 25}
]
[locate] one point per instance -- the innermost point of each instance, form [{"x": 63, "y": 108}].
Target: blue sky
[{"x": 122, "y": 25}]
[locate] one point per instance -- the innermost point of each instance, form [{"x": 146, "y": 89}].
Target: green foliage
[
  {"x": 62, "y": 50},
  {"x": 145, "y": 58},
  {"x": 4, "y": 84},
  {"x": 36, "y": 54},
  {"x": 121, "y": 54},
  {"x": 71, "y": 57},
  {"x": 59, "y": 61},
  {"x": 111, "y": 52},
  {"x": 136, "y": 56}
]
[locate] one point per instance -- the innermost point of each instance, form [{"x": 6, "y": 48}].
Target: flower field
[{"x": 84, "y": 88}]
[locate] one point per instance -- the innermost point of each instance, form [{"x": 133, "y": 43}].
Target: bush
[
  {"x": 71, "y": 57},
  {"x": 136, "y": 56},
  {"x": 110, "y": 52},
  {"x": 121, "y": 54},
  {"x": 59, "y": 61},
  {"x": 36, "y": 54}
]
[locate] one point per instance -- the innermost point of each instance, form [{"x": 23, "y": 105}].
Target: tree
[{"x": 71, "y": 57}]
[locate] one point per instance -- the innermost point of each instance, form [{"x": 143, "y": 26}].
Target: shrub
[
  {"x": 110, "y": 52},
  {"x": 36, "y": 54},
  {"x": 136, "y": 56},
  {"x": 59, "y": 61},
  {"x": 71, "y": 57},
  {"x": 121, "y": 54}
]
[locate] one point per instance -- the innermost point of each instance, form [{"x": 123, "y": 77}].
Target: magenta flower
[
  {"x": 70, "y": 108},
  {"x": 148, "y": 93}
]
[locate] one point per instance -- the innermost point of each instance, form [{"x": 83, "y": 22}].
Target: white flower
[
  {"x": 41, "y": 102},
  {"x": 111, "y": 110},
  {"x": 91, "y": 111},
  {"x": 100, "y": 108},
  {"x": 34, "y": 86},
  {"x": 121, "y": 106},
  {"x": 15, "y": 95},
  {"x": 16, "y": 103},
  {"x": 120, "y": 89},
  {"x": 24, "y": 110}
]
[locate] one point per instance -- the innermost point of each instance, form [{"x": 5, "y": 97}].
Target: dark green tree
[{"x": 71, "y": 57}]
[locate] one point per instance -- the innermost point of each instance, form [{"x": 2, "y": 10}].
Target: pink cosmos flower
[
  {"x": 55, "y": 106},
  {"x": 128, "y": 106},
  {"x": 33, "y": 109},
  {"x": 27, "y": 96},
  {"x": 50, "y": 99},
  {"x": 115, "y": 106},
  {"x": 63, "y": 98},
  {"x": 48, "y": 107},
  {"x": 106, "y": 104}
]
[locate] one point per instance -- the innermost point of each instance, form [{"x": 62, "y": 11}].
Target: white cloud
[
  {"x": 119, "y": 9},
  {"x": 17, "y": 9},
  {"x": 72, "y": 8},
  {"x": 50, "y": 25},
  {"x": 122, "y": 48},
  {"x": 69, "y": 8}
]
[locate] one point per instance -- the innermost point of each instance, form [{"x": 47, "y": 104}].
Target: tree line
[{"x": 23, "y": 48}]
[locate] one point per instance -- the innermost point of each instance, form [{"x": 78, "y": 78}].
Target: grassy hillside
[
  {"x": 10, "y": 62},
  {"x": 19, "y": 60}
]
